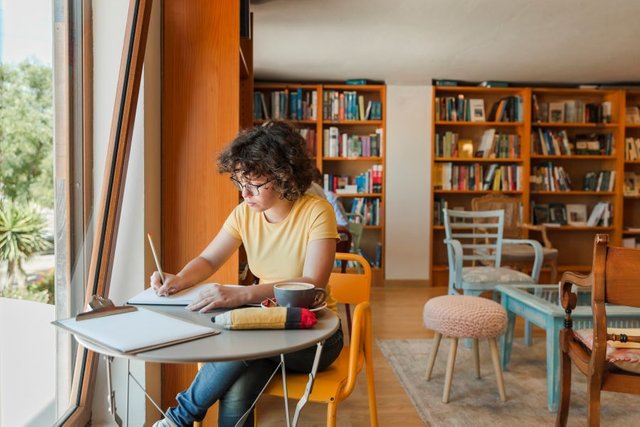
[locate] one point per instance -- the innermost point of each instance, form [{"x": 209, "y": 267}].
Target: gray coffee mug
[{"x": 298, "y": 294}]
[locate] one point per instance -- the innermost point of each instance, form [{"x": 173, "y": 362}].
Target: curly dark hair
[{"x": 274, "y": 150}]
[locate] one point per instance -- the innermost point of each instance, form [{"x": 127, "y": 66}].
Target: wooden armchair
[
  {"x": 614, "y": 279},
  {"x": 518, "y": 256}
]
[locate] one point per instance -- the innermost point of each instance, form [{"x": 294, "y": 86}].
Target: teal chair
[{"x": 474, "y": 242}]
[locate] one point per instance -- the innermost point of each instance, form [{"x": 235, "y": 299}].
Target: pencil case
[{"x": 270, "y": 318}]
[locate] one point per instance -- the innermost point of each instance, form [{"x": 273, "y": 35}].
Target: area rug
[{"x": 475, "y": 402}]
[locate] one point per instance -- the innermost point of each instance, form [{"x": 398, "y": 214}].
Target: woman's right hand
[{"x": 171, "y": 285}]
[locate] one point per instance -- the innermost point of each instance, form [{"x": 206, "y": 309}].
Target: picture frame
[
  {"x": 630, "y": 186},
  {"x": 558, "y": 213},
  {"x": 576, "y": 214},
  {"x": 477, "y": 110},
  {"x": 540, "y": 214},
  {"x": 556, "y": 112}
]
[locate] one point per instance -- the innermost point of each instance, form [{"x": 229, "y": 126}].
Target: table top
[
  {"x": 229, "y": 344},
  {"x": 546, "y": 298}
]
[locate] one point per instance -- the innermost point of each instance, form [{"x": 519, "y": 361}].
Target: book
[
  {"x": 356, "y": 82},
  {"x": 136, "y": 331},
  {"x": 540, "y": 214},
  {"x": 493, "y": 83}
]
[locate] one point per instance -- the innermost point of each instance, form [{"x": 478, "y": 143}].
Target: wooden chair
[
  {"x": 517, "y": 255},
  {"x": 614, "y": 279},
  {"x": 478, "y": 237},
  {"x": 336, "y": 383}
]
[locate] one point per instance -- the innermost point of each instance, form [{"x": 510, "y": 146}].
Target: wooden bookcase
[
  {"x": 317, "y": 122},
  {"x": 546, "y": 114},
  {"x": 631, "y": 201}
]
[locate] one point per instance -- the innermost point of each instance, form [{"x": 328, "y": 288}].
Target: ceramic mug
[{"x": 299, "y": 294}]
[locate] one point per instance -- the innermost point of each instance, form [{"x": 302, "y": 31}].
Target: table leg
[
  {"x": 553, "y": 363},
  {"x": 506, "y": 341},
  {"x": 307, "y": 391},
  {"x": 111, "y": 391},
  {"x": 284, "y": 387}
]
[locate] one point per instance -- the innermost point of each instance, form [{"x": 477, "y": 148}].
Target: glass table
[{"x": 540, "y": 305}]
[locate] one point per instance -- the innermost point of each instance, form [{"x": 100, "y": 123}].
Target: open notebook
[
  {"x": 185, "y": 297},
  {"x": 136, "y": 331}
]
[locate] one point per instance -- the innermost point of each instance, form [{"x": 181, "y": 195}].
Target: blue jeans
[{"x": 237, "y": 384}]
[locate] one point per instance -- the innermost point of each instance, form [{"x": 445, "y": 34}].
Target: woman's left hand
[{"x": 220, "y": 296}]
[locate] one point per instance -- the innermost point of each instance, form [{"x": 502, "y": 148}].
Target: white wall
[
  {"x": 27, "y": 363},
  {"x": 130, "y": 266},
  {"x": 408, "y": 182}
]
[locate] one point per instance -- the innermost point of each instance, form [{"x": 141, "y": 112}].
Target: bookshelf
[
  {"x": 344, "y": 126},
  {"x": 567, "y": 163},
  {"x": 631, "y": 169}
]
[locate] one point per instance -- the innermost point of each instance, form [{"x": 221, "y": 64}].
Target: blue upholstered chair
[{"x": 474, "y": 242}]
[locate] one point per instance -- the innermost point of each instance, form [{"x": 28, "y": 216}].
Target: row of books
[
  {"x": 345, "y": 145},
  {"x": 551, "y": 142},
  {"x": 571, "y": 111},
  {"x": 632, "y": 148},
  {"x": 283, "y": 104},
  {"x": 348, "y": 105},
  {"x": 492, "y": 145},
  {"x": 573, "y": 214},
  {"x": 309, "y": 136},
  {"x": 599, "y": 181},
  {"x": 366, "y": 182},
  {"x": 549, "y": 177},
  {"x": 630, "y": 242},
  {"x": 477, "y": 176},
  {"x": 461, "y": 109},
  {"x": 369, "y": 208}
]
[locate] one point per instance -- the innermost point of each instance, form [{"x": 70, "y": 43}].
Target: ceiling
[{"x": 411, "y": 42}]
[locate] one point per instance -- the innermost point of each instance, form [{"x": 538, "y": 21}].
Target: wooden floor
[{"x": 397, "y": 314}]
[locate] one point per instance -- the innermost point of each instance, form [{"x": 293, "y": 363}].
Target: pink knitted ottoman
[{"x": 459, "y": 316}]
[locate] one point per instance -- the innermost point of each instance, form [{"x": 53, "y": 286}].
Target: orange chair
[{"x": 337, "y": 382}]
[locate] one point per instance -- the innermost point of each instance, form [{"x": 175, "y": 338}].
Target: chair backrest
[
  {"x": 512, "y": 211},
  {"x": 479, "y": 233},
  {"x": 348, "y": 287},
  {"x": 344, "y": 244},
  {"x": 616, "y": 274}
]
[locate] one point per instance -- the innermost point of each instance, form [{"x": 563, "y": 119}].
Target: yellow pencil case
[{"x": 266, "y": 318}]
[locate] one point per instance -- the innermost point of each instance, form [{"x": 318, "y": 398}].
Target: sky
[{"x": 26, "y": 30}]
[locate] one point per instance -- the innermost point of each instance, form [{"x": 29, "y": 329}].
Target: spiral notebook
[{"x": 136, "y": 330}]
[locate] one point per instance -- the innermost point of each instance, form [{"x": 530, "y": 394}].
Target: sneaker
[{"x": 165, "y": 422}]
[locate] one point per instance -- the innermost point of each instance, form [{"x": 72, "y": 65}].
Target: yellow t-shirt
[{"x": 277, "y": 251}]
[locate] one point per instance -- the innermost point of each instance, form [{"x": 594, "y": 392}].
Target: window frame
[{"x": 74, "y": 118}]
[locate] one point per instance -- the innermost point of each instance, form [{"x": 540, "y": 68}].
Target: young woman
[{"x": 288, "y": 236}]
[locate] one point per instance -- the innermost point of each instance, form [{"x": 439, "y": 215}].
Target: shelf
[
  {"x": 475, "y": 160},
  {"x": 575, "y": 125},
  {"x": 631, "y": 232},
  {"x": 349, "y": 195},
  {"x": 573, "y": 193},
  {"x": 474, "y": 192},
  {"x": 353, "y": 122},
  {"x": 343, "y": 159},
  {"x": 574, "y": 157},
  {"x": 551, "y": 228},
  {"x": 482, "y": 124}
]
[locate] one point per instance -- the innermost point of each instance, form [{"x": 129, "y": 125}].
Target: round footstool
[{"x": 460, "y": 316}]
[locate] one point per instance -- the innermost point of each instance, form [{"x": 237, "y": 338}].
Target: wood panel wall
[{"x": 200, "y": 116}]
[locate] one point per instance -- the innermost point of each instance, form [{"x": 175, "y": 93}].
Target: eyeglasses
[{"x": 252, "y": 189}]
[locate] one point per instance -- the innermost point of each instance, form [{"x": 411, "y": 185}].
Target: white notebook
[
  {"x": 185, "y": 297},
  {"x": 136, "y": 331}
]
